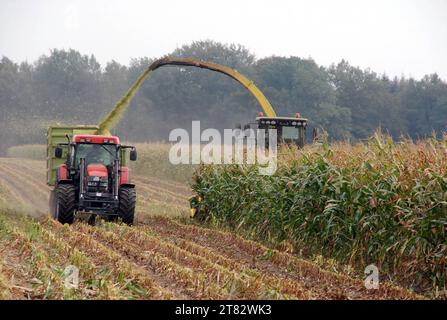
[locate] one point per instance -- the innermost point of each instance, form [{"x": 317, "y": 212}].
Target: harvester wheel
[
  {"x": 126, "y": 209},
  {"x": 65, "y": 197}
]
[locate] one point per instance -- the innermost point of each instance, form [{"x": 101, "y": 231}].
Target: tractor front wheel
[
  {"x": 65, "y": 203},
  {"x": 126, "y": 209}
]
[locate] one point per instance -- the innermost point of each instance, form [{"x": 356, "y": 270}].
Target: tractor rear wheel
[
  {"x": 126, "y": 209},
  {"x": 65, "y": 200}
]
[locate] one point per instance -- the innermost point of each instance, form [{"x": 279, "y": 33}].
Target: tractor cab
[
  {"x": 99, "y": 150},
  {"x": 96, "y": 155}
]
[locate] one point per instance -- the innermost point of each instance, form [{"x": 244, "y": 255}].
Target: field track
[{"x": 161, "y": 257}]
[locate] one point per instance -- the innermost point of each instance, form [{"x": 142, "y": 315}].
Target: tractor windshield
[{"x": 96, "y": 153}]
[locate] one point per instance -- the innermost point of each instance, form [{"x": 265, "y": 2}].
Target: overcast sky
[{"x": 398, "y": 37}]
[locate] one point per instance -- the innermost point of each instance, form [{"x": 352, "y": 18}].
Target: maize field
[{"x": 377, "y": 202}]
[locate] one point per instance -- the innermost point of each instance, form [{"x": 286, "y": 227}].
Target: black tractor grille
[{"x": 97, "y": 184}]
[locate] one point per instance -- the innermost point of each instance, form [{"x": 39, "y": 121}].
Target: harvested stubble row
[
  {"x": 288, "y": 268},
  {"x": 137, "y": 278},
  {"x": 39, "y": 257},
  {"x": 234, "y": 283}
]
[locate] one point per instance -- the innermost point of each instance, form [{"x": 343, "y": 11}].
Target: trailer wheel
[
  {"x": 65, "y": 197},
  {"x": 126, "y": 209}
]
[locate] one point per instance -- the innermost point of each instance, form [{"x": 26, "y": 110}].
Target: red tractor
[{"x": 93, "y": 180}]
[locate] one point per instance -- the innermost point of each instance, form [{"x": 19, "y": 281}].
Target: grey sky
[{"x": 397, "y": 37}]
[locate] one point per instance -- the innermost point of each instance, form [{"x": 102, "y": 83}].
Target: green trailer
[{"x": 57, "y": 135}]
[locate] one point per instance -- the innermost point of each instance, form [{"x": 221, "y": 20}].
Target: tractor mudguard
[
  {"x": 62, "y": 175},
  {"x": 125, "y": 176},
  {"x": 127, "y": 185}
]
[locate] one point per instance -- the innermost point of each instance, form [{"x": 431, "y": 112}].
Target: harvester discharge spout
[{"x": 113, "y": 117}]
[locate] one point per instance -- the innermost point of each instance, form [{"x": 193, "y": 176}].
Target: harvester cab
[
  {"x": 289, "y": 130},
  {"x": 93, "y": 178}
]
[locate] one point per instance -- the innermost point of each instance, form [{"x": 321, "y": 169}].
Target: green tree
[
  {"x": 67, "y": 85},
  {"x": 299, "y": 85},
  {"x": 369, "y": 98}
]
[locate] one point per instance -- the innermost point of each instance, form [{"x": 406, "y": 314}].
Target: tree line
[{"x": 68, "y": 87}]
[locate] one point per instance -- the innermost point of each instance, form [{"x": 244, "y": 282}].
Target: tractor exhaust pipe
[{"x": 81, "y": 179}]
